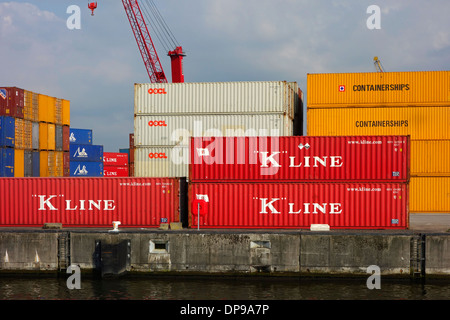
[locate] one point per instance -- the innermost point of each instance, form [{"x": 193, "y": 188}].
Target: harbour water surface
[{"x": 220, "y": 288}]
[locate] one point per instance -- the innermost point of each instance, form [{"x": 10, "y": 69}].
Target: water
[{"x": 219, "y": 288}]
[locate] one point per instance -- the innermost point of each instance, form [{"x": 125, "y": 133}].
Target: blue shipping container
[
  {"x": 86, "y": 169},
  {"x": 84, "y": 152},
  {"x": 36, "y": 164},
  {"x": 127, "y": 151},
  {"x": 6, "y": 162},
  {"x": 80, "y": 136},
  {"x": 7, "y": 131}
]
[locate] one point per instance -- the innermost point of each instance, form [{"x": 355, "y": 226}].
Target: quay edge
[{"x": 398, "y": 253}]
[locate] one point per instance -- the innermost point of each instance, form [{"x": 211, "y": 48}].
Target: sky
[{"x": 96, "y": 67}]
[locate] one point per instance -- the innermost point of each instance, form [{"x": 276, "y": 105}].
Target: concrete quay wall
[{"x": 339, "y": 253}]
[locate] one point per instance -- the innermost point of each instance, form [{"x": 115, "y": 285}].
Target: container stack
[
  {"x": 392, "y": 103},
  {"x": 86, "y": 159},
  {"x": 167, "y": 115},
  {"x": 115, "y": 164},
  {"x": 41, "y": 126},
  {"x": 299, "y": 182}
]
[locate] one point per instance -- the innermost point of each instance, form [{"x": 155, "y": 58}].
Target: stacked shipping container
[
  {"x": 167, "y": 115},
  {"x": 115, "y": 164},
  {"x": 294, "y": 182},
  {"x": 7, "y": 135},
  {"x": 40, "y": 135},
  {"x": 89, "y": 202},
  {"x": 86, "y": 159},
  {"x": 392, "y": 103}
]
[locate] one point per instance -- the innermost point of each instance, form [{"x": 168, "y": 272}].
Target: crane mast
[
  {"x": 144, "y": 41},
  {"x": 147, "y": 48}
]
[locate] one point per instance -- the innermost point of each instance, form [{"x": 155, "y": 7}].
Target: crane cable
[{"x": 158, "y": 25}]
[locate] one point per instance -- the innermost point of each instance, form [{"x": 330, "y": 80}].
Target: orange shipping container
[
  {"x": 43, "y": 136},
  {"x": 421, "y": 123},
  {"x": 51, "y": 136},
  {"x": 47, "y": 109},
  {"x": 429, "y": 194},
  {"x": 43, "y": 164},
  {"x": 19, "y": 163},
  {"x": 375, "y": 89},
  {"x": 430, "y": 157},
  {"x": 65, "y": 112}
]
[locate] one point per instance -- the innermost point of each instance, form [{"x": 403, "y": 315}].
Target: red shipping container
[
  {"x": 12, "y": 102},
  {"x": 299, "y": 205},
  {"x": 352, "y": 158},
  {"x": 66, "y": 138},
  {"x": 115, "y": 159},
  {"x": 112, "y": 171},
  {"x": 89, "y": 202}
]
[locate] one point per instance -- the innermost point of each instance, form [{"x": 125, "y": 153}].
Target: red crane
[{"x": 145, "y": 42}]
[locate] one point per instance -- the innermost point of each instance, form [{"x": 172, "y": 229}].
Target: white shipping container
[
  {"x": 161, "y": 161},
  {"x": 217, "y": 97},
  {"x": 171, "y": 130}
]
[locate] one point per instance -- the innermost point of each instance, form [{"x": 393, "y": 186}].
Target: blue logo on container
[{"x": 3, "y": 93}]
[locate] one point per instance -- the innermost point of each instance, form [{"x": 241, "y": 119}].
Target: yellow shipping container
[
  {"x": 28, "y": 105},
  {"x": 51, "y": 163},
  {"x": 43, "y": 164},
  {"x": 51, "y": 136},
  {"x": 47, "y": 109},
  {"x": 27, "y": 134},
  {"x": 59, "y": 164},
  {"x": 58, "y": 111},
  {"x": 422, "y": 88},
  {"x": 421, "y": 123},
  {"x": 18, "y": 131},
  {"x": 430, "y": 157},
  {"x": 429, "y": 194},
  {"x": 19, "y": 163},
  {"x": 43, "y": 136},
  {"x": 65, "y": 112}
]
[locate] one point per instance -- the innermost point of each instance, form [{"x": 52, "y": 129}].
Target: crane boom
[{"x": 144, "y": 41}]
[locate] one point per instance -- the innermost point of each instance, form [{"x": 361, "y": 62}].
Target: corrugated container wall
[
  {"x": 7, "y": 131},
  {"x": 80, "y": 136},
  {"x": 333, "y": 90},
  {"x": 11, "y": 102},
  {"x": 298, "y": 205},
  {"x": 115, "y": 159},
  {"x": 176, "y": 130},
  {"x": 19, "y": 163},
  {"x": 430, "y": 157},
  {"x": 85, "y": 169},
  {"x": 430, "y": 194},
  {"x": 114, "y": 171},
  {"x": 216, "y": 98},
  {"x": 65, "y": 112},
  {"x": 363, "y": 158},
  {"x": 89, "y": 202},
  {"x": 6, "y": 162},
  {"x": 421, "y": 123},
  {"x": 91, "y": 153},
  {"x": 158, "y": 162}
]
